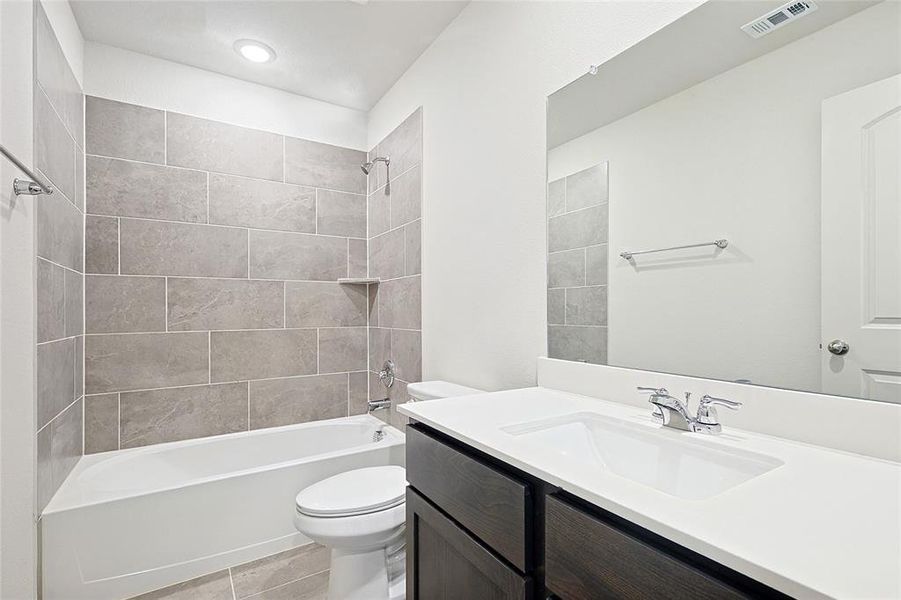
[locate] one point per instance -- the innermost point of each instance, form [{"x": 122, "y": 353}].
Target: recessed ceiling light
[{"x": 255, "y": 51}]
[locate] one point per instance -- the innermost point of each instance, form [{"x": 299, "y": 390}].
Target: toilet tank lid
[{"x": 430, "y": 390}]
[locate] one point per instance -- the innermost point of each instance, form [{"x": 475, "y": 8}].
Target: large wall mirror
[{"x": 724, "y": 200}]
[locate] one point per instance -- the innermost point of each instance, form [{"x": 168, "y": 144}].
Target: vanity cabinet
[
  {"x": 444, "y": 562},
  {"x": 590, "y": 557},
  {"x": 478, "y": 528}
]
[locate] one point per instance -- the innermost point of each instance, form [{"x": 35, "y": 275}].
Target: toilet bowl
[{"x": 360, "y": 516}]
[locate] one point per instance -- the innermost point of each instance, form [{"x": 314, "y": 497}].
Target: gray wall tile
[
  {"x": 132, "y": 189},
  {"x": 50, "y": 290},
  {"x": 386, "y": 255},
  {"x": 324, "y": 166},
  {"x": 156, "y": 416},
  {"x": 74, "y": 303},
  {"x": 79, "y": 366},
  {"x": 60, "y": 231},
  {"x": 79, "y": 179},
  {"x": 403, "y": 145},
  {"x": 556, "y": 197},
  {"x": 597, "y": 265},
  {"x": 54, "y": 150},
  {"x": 406, "y": 197},
  {"x": 586, "y": 188},
  {"x": 586, "y": 305},
  {"x": 379, "y": 211},
  {"x": 566, "y": 269},
  {"x": 240, "y": 355},
  {"x": 262, "y": 204},
  {"x": 343, "y": 349},
  {"x": 204, "y": 304},
  {"x": 124, "y": 130},
  {"x": 373, "y": 305},
  {"x": 357, "y": 264},
  {"x": 101, "y": 253},
  {"x": 340, "y": 213},
  {"x": 379, "y": 347},
  {"x": 585, "y": 344},
  {"x": 59, "y": 446},
  {"x": 55, "y": 76},
  {"x": 140, "y": 361},
  {"x": 324, "y": 304},
  {"x": 406, "y": 348},
  {"x": 272, "y": 571},
  {"x": 276, "y": 402},
  {"x": 413, "y": 248},
  {"x": 400, "y": 303},
  {"x": 215, "y": 586},
  {"x": 585, "y": 227},
  {"x": 162, "y": 248},
  {"x": 116, "y": 304},
  {"x": 376, "y": 177},
  {"x": 358, "y": 393},
  {"x": 556, "y": 306},
  {"x": 55, "y": 366},
  {"x": 101, "y": 423},
  {"x": 213, "y": 146},
  {"x": 275, "y": 255}
]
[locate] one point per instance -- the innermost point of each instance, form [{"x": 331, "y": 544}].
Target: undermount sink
[{"x": 669, "y": 461}]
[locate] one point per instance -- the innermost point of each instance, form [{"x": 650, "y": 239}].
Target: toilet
[{"x": 360, "y": 515}]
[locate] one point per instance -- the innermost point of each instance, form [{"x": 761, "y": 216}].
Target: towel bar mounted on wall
[
  {"x": 27, "y": 187},
  {"x": 718, "y": 243}
]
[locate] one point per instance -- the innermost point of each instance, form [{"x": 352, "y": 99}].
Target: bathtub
[{"x": 131, "y": 521}]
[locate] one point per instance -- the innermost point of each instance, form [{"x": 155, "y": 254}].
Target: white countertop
[{"x": 826, "y": 523}]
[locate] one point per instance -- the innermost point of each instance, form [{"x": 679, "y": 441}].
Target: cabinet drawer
[
  {"x": 586, "y": 557},
  {"x": 492, "y": 505},
  {"x": 446, "y": 563}
]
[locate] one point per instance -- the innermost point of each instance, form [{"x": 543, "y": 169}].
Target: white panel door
[{"x": 861, "y": 225}]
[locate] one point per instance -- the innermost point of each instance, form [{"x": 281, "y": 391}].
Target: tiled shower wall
[
  {"x": 395, "y": 241},
  {"x": 211, "y": 297},
  {"x": 59, "y": 157},
  {"x": 577, "y": 266}
]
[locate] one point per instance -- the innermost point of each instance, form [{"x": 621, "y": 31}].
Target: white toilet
[{"x": 360, "y": 515}]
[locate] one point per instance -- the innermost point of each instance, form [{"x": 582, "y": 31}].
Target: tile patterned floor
[{"x": 297, "y": 574}]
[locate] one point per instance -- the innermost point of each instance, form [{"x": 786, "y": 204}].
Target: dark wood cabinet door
[
  {"x": 446, "y": 563},
  {"x": 492, "y": 505},
  {"x": 588, "y": 557}
]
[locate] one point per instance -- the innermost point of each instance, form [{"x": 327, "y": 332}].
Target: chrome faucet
[
  {"x": 375, "y": 405},
  {"x": 672, "y": 412}
]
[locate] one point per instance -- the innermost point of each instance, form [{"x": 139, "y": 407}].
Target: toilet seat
[{"x": 352, "y": 493}]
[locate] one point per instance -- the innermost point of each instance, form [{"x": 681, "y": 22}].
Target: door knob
[{"x": 838, "y": 347}]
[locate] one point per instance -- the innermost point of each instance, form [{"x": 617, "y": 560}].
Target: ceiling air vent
[{"x": 783, "y": 15}]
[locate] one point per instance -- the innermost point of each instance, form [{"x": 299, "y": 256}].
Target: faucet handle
[
  {"x": 707, "y": 412},
  {"x": 707, "y": 399},
  {"x": 654, "y": 391}
]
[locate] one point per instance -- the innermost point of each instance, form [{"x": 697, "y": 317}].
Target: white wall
[
  {"x": 140, "y": 79},
  {"x": 62, "y": 20},
  {"x": 483, "y": 85},
  {"x": 737, "y": 156},
  {"x": 17, "y": 325}
]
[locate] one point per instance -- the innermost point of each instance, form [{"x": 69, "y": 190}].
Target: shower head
[{"x": 367, "y": 166}]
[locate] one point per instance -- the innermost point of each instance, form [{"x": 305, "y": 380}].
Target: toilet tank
[{"x": 430, "y": 390}]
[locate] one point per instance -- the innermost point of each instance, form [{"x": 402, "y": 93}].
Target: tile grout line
[
  {"x": 118, "y": 421},
  {"x": 237, "y": 227},
  {"x": 310, "y": 186},
  {"x": 218, "y": 383}
]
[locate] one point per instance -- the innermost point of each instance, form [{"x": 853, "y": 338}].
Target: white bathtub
[{"x": 131, "y": 521}]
